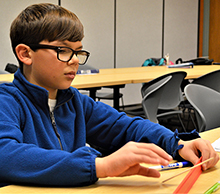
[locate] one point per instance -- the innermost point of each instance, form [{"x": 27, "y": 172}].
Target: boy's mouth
[{"x": 70, "y": 75}]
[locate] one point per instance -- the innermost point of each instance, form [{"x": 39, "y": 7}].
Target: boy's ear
[{"x": 23, "y": 53}]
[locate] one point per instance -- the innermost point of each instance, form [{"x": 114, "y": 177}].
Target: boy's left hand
[{"x": 192, "y": 149}]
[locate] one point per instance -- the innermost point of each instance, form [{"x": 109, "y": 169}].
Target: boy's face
[{"x": 49, "y": 72}]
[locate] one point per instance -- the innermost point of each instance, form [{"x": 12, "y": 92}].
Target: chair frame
[
  {"x": 167, "y": 103},
  {"x": 205, "y": 102},
  {"x": 152, "y": 98},
  {"x": 210, "y": 80}
]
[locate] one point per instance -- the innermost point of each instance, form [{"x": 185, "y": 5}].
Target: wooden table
[
  {"x": 133, "y": 184},
  {"x": 130, "y": 75},
  {"x": 119, "y": 76}
]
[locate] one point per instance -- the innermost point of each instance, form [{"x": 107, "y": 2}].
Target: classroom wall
[
  {"x": 121, "y": 33},
  {"x": 9, "y": 9},
  {"x": 205, "y": 46}
]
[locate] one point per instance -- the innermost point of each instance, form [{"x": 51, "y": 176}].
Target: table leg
[
  {"x": 116, "y": 97},
  {"x": 92, "y": 93}
]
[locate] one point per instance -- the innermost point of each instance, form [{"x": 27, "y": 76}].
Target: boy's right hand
[{"x": 126, "y": 161}]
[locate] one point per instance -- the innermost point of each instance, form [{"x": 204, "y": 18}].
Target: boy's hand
[
  {"x": 192, "y": 149},
  {"x": 126, "y": 161}
]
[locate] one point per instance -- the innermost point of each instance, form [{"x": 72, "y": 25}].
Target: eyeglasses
[{"x": 64, "y": 54}]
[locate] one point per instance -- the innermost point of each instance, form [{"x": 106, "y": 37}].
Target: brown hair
[{"x": 45, "y": 22}]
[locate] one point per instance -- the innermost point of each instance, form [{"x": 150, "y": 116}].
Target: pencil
[{"x": 213, "y": 188}]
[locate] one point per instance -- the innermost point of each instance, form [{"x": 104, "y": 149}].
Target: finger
[
  {"x": 141, "y": 170},
  {"x": 149, "y": 172},
  {"x": 207, "y": 152},
  {"x": 212, "y": 154},
  {"x": 148, "y": 152},
  {"x": 150, "y": 160},
  {"x": 155, "y": 149},
  {"x": 141, "y": 155}
]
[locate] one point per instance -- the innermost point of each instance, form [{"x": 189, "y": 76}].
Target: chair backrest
[
  {"x": 172, "y": 94},
  {"x": 210, "y": 80},
  {"x": 206, "y": 102},
  {"x": 152, "y": 96}
]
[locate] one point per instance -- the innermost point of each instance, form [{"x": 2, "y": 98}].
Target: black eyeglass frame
[{"x": 35, "y": 47}]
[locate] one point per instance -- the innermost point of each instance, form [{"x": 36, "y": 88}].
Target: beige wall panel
[{"x": 9, "y": 11}]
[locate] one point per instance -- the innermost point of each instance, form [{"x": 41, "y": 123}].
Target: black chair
[
  {"x": 210, "y": 80},
  {"x": 206, "y": 103},
  {"x": 152, "y": 97},
  {"x": 11, "y": 68},
  {"x": 169, "y": 100}
]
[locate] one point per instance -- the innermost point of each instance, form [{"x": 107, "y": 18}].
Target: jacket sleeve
[
  {"x": 110, "y": 129},
  {"x": 28, "y": 163}
]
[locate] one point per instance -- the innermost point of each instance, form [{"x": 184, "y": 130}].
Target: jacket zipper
[
  {"x": 54, "y": 123},
  {"x": 55, "y": 128}
]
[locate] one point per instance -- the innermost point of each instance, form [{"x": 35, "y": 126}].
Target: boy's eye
[{"x": 64, "y": 50}]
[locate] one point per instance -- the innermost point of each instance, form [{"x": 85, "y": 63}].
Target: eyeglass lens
[{"x": 65, "y": 54}]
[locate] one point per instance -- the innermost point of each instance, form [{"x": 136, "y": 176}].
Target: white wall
[
  {"x": 138, "y": 32},
  {"x": 97, "y": 17},
  {"x": 139, "y": 36},
  {"x": 181, "y": 29},
  {"x": 9, "y": 11}
]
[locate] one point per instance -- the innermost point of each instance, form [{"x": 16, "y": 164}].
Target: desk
[
  {"x": 133, "y": 184},
  {"x": 130, "y": 75},
  {"x": 118, "y": 76}
]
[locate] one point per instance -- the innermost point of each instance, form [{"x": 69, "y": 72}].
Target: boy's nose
[{"x": 74, "y": 60}]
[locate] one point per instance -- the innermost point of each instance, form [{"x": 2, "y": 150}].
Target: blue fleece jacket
[{"x": 39, "y": 147}]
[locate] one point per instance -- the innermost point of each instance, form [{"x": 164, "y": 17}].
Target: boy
[{"x": 45, "y": 124}]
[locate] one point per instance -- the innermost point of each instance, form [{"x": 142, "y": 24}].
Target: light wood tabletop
[
  {"x": 118, "y": 76},
  {"x": 133, "y": 184},
  {"x": 129, "y": 75}
]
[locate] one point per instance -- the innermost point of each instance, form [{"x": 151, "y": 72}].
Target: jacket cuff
[
  {"x": 185, "y": 137},
  {"x": 93, "y": 170}
]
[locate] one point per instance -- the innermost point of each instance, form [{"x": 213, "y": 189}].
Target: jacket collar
[{"x": 39, "y": 95}]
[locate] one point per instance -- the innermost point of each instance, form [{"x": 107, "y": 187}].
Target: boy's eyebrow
[{"x": 80, "y": 47}]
